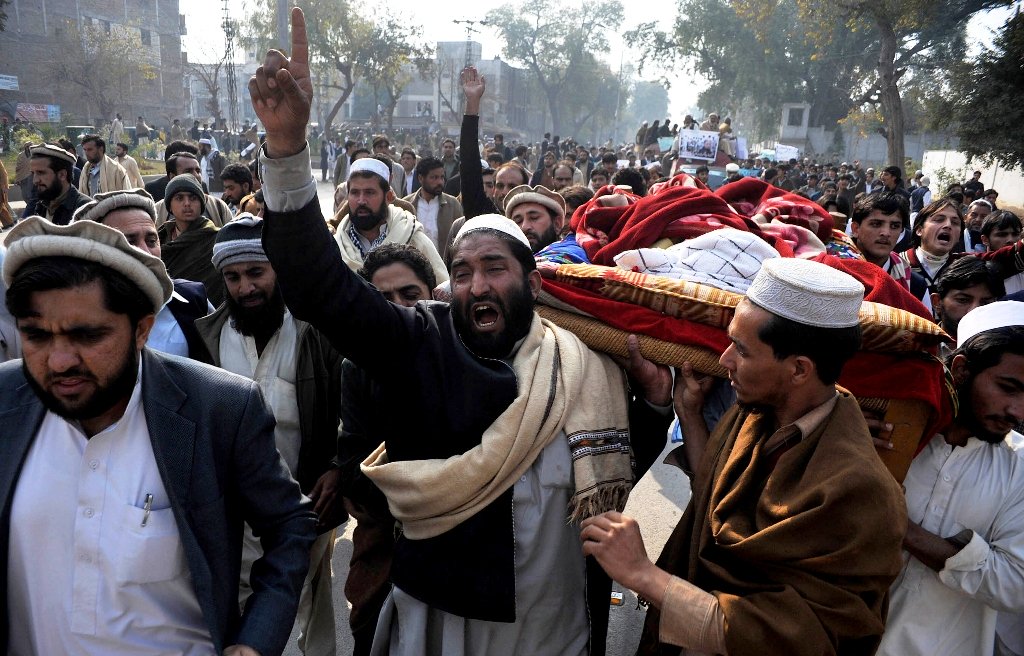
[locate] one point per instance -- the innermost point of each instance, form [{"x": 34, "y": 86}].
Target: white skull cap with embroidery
[
  {"x": 989, "y": 317},
  {"x": 372, "y": 165},
  {"x": 807, "y": 292},
  {"x": 494, "y": 222}
]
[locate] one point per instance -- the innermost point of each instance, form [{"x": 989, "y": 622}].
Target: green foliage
[
  {"x": 755, "y": 62},
  {"x": 556, "y": 43},
  {"x": 989, "y": 110}
]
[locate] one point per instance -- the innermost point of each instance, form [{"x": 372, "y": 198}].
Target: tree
[
  {"x": 93, "y": 61},
  {"x": 209, "y": 76},
  {"x": 556, "y": 43},
  {"x": 336, "y": 33},
  {"x": 905, "y": 34},
  {"x": 989, "y": 111},
  {"x": 344, "y": 47},
  {"x": 392, "y": 55},
  {"x": 649, "y": 101},
  {"x": 3, "y": 14},
  {"x": 776, "y": 64}
]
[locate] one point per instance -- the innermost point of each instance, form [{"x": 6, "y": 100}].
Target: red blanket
[{"x": 677, "y": 210}]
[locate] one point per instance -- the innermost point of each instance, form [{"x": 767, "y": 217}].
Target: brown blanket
[
  {"x": 189, "y": 256},
  {"x": 800, "y": 557}
]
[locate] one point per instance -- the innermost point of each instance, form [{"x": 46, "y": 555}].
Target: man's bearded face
[{"x": 492, "y": 301}]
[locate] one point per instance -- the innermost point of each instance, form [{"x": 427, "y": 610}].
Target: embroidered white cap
[
  {"x": 372, "y": 165},
  {"x": 807, "y": 292},
  {"x": 494, "y": 222},
  {"x": 989, "y": 317}
]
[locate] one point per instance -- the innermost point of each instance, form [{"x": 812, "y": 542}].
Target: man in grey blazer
[{"x": 126, "y": 474}]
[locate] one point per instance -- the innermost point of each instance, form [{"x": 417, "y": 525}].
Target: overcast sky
[{"x": 203, "y": 20}]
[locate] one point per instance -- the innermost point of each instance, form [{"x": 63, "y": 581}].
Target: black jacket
[
  {"x": 71, "y": 202},
  {"x": 434, "y": 399},
  {"x": 195, "y": 306}
]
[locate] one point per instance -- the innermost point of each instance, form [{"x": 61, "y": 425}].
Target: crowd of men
[{"x": 207, "y": 377}]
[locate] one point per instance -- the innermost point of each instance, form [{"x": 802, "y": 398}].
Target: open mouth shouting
[{"x": 486, "y": 316}]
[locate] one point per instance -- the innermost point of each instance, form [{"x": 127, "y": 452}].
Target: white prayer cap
[
  {"x": 206, "y": 141},
  {"x": 372, "y": 165},
  {"x": 732, "y": 167},
  {"x": 989, "y": 317},
  {"x": 807, "y": 292},
  {"x": 494, "y": 222}
]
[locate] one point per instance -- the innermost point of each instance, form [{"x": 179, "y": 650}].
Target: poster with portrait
[{"x": 697, "y": 144}]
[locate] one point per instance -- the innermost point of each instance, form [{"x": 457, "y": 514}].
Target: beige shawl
[{"x": 564, "y": 389}]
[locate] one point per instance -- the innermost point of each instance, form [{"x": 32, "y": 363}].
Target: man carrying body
[
  {"x": 56, "y": 198},
  {"x": 435, "y": 209},
  {"x": 253, "y": 335},
  {"x": 133, "y": 214},
  {"x": 937, "y": 230},
  {"x": 484, "y": 575},
  {"x": 127, "y": 474},
  {"x": 101, "y": 173},
  {"x": 778, "y": 548},
  {"x": 964, "y": 549}
]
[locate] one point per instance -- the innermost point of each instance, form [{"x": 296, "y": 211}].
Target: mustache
[{"x": 53, "y": 378}]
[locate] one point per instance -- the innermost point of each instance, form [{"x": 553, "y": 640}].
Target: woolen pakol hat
[{"x": 36, "y": 237}]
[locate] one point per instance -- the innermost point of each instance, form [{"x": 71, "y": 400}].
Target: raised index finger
[{"x": 300, "y": 44}]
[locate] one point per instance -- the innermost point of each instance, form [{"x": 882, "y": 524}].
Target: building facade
[{"x": 41, "y": 35}]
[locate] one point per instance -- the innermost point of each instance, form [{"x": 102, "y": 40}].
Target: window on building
[
  {"x": 106, "y": 26},
  {"x": 796, "y": 117},
  {"x": 147, "y": 37}
]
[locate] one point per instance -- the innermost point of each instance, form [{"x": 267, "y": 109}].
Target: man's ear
[
  {"x": 535, "y": 281},
  {"x": 958, "y": 369},
  {"x": 390, "y": 196}
]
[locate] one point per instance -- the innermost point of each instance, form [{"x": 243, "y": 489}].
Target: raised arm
[
  {"x": 474, "y": 199},
  {"x": 318, "y": 286}
]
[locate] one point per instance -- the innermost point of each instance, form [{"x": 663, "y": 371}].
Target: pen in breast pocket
[{"x": 147, "y": 508}]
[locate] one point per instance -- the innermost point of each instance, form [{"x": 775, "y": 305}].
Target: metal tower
[{"x": 230, "y": 31}]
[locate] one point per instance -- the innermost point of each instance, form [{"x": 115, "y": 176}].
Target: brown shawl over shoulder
[
  {"x": 800, "y": 558},
  {"x": 190, "y": 256}
]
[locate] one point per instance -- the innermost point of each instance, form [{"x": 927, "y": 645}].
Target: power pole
[
  {"x": 230, "y": 31},
  {"x": 471, "y": 29}
]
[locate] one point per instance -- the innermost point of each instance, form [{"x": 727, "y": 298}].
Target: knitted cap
[
  {"x": 810, "y": 293},
  {"x": 240, "y": 240},
  {"x": 105, "y": 203},
  {"x": 36, "y": 237},
  {"x": 185, "y": 182}
]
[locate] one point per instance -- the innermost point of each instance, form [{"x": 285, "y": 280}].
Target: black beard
[
  {"x": 261, "y": 320},
  {"x": 367, "y": 222},
  {"x": 103, "y": 399},
  {"x": 549, "y": 237},
  {"x": 518, "y": 314},
  {"x": 50, "y": 193},
  {"x": 968, "y": 419}
]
